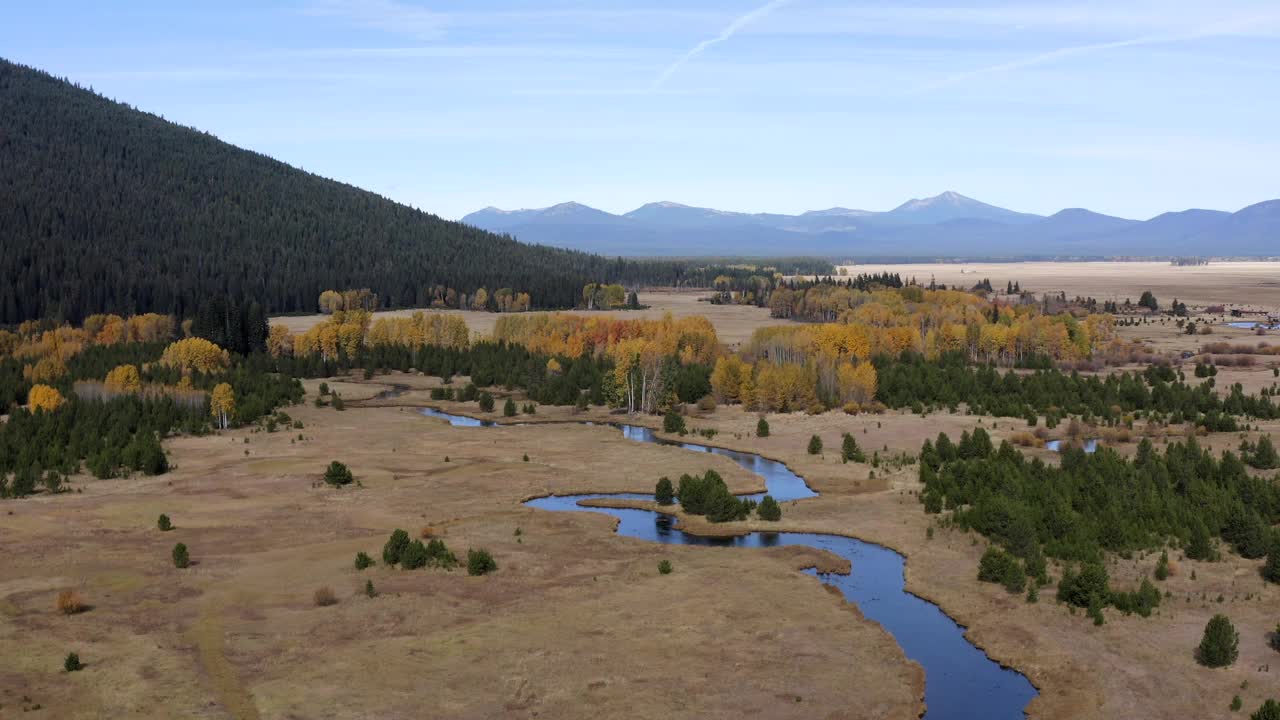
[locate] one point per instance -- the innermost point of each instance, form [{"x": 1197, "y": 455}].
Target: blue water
[
  {"x": 1251, "y": 324},
  {"x": 961, "y": 682}
]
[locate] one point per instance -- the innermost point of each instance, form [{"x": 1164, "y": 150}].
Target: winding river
[{"x": 961, "y": 682}]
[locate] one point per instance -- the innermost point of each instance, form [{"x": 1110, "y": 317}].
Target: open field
[
  {"x": 1253, "y": 284},
  {"x": 576, "y": 622},
  {"x": 733, "y": 323}
]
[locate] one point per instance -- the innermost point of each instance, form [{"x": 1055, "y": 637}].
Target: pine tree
[
  {"x": 762, "y": 428},
  {"x": 509, "y": 408},
  {"x": 1220, "y": 645},
  {"x": 769, "y": 509},
  {"x": 1162, "y": 566},
  {"x": 1270, "y": 710},
  {"x": 664, "y": 494},
  {"x": 815, "y": 445},
  {"x": 395, "y": 547},
  {"x": 181, "y": 558}
]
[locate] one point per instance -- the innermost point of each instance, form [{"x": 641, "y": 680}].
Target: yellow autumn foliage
[{"x": 44, "y": 397}]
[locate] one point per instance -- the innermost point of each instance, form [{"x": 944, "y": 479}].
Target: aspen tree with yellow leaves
[{"x": 222, "y": 404}]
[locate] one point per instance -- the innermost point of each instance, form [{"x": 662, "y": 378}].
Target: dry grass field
[
  {"x": 576, "y": 622},
  {"x": 1253, "y": 284}
]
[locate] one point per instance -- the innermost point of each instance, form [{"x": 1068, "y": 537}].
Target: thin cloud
[
  {"x": 388, "y": 15},
  {"x": 725, "y": 34},
  {"x": 1229, "y": 27}
]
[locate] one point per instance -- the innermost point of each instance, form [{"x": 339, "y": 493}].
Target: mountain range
[{"x": 946, "y": 225}]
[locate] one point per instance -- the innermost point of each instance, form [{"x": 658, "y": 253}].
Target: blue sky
[{"x": 1129, "y": 108}]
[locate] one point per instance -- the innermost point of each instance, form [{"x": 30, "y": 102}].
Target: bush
[
  {"x": 1270, "y": 710},
  {"x": 363, "y": 560},
  {"x": 324, "y": 597},
  {"x": 1271, "y": 571},
  {"x": 998, "y": 566},
  {"x": 664, "y": 493},
  {"x": 815, "y": 445},
  {"x": 480, "y": 562},
  {"x": 850, "y": 451},
  {"x": 72, "y": 663},
  {"x": 368, "y": 589},
  {"x": 1082, "y": 589},
  {"x": 70, "y": 603},
  {"x": 664, "y": 567},
  {"x": 762, "y": 428},
  {"x": 509, "y": 408},
  {"x": 163, "y": 523},
  {"x": 673, "y": 422},
  {"x": 180, "y": 557},
  {"x": 395, "y": 547},
  {"x": 769, "y": 509},
  {"x": 706, "y": 403},
  {"x": 337, "y": 402},
  {"x": 338, "y": 475},
  {"x": 438, "y": 555},
  {"x": 414, "y": 556},
  {"x": 1162, "y": 566},
  {"x": 1221, "y": 643},
  {"x": 486, "y": 402}
]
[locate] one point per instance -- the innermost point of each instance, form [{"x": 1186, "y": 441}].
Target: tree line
[{"x": 107, "y": 208}]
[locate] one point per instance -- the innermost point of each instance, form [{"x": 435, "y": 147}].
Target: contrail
[
  {"x": 725, "y": 34},
  {"x": 1215, "y": 30}
]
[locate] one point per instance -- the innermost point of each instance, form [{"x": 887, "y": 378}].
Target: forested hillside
[{"x": 104, "y": 208}]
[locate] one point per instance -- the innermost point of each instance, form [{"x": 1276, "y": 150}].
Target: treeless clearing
[
  {"x": 734, "y": 323},
  {"x": 1254, "y": 284}
]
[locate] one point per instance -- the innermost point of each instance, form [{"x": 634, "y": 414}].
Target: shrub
[
  {"x": 509, "y": 408},
  {"x": 1220, "y": 645},
  {"x": 486, "y": 402},
  {"x": 337, "y": 402},
  {"x": 324, "y": 597},
  {"x": 72, "y": 663},
  {"x": 664, "y": 567},
  {"x": 1081, "y": 589},
  {"x": 338, "y": 474},
  {"x": 1162, "y": 566},
  {"x": 480, "y": 562},
  {"x": 180, "y": 557},
  {"x": 706, "y": 403},
  {"x": 438, "y": 555},
  {"x": 998, "y": 566},
  {"x": 815, "y": 445},
  {"x": 70, "y": 602},
  {"x": 664, "y": 493},
  {"x": 395, "y": 546},
  {"x": 363, "y": 560},
  {"x": 414, "y": 556},
  {"x": 769, "y": 509},
  {"x": 1236, "y": 703},
  {"x": 673, "y": 422},
  {"x": 1271, "y": 571},
  {"x": 850, "y": 451},
  {"x": 762, "y": 428},
  {"x": 368, "y": 589},
  {"x": 1270, "y": 710},
  {"x": 163, "y": 523}
]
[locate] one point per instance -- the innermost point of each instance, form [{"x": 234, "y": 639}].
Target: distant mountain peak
[{"x": 948, "y": 197}]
